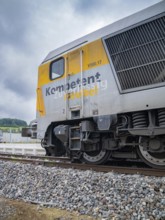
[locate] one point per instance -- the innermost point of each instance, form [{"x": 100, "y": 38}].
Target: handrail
[{"x": 82, "y": 94}]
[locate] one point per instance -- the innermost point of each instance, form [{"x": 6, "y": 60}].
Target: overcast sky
[{"x": 29, "y": 30}]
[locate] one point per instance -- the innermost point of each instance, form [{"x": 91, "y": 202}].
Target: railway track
[
  {"x": 19, "y": 156},
  {"x": 64, "y": 162}
]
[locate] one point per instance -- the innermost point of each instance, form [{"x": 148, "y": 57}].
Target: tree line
[{"x": 9, "y": 122}]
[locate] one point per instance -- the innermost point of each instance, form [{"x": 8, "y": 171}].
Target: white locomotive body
[{"x": 103, "y": 95}]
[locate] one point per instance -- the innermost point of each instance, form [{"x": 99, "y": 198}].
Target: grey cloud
[
  {"x": 15, "y": 18},
  {"x": 87, "y": 6},
  {"x": 20, "y": 87},
  {"x": 17, "y": 108},
  {"x": 108, "y": 9}
]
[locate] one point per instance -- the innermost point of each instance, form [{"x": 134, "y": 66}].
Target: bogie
[{"x": 85, "y": 141}]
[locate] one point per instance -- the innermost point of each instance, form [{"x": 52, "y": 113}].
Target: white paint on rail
[{"x": 32, "y": 149}]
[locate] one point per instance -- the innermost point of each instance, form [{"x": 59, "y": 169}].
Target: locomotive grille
[{"x": 138, "y": 55}]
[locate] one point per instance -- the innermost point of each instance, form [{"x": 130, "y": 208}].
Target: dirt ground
[{"x": 19, "y": 210}]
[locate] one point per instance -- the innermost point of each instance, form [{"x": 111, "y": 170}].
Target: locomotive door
[{"x": 74, "y": 91}]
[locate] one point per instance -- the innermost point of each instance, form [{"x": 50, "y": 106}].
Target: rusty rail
[
  {"x": 65, "y": 163},
  {"x": 33, "y": 157}
]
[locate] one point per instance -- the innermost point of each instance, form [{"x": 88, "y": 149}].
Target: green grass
[{"x": 12, "y": 129}]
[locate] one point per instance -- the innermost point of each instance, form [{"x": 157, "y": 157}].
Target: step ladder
[{"x": 74, "y": 138}]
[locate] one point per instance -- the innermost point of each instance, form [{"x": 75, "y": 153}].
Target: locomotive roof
[{"x": 110, "y": 29}]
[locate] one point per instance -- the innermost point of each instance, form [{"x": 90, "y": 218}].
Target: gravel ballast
[{"x": 107, "y": 195}]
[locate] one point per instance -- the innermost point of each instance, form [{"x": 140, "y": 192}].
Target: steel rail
[
  {"x": 34, "y": 156},
  {"x": 98, "y": 168}
]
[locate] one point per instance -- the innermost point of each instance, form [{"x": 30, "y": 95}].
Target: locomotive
[{"x": 102, "y": 96}]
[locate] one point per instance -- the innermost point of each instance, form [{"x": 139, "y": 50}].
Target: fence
[
  {"x": 11, "y": 136},
  {"x": 30, "y": 149}
]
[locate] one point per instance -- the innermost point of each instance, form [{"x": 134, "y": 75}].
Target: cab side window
[{"x": 57, "y": 68}]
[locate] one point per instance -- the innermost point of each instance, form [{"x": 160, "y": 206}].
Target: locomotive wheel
[
  {"x": 96, "y": 157},
  {"x": 47, "y": 153},
  {"x": 155, "y": 160}
]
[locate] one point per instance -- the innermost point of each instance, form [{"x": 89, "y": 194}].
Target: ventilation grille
[{"x": 138, "y": 55}]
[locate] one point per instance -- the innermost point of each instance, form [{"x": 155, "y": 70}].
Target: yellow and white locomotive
[{"x": 103, "y": 96}]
